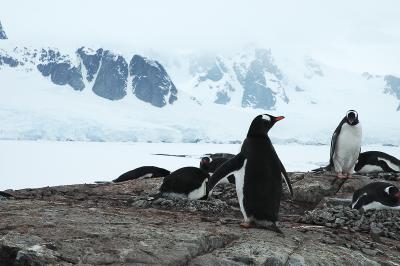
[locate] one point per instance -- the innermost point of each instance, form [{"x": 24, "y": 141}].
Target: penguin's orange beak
[{"x": 278, "y": 118}]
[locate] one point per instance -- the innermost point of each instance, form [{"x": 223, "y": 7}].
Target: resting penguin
[
  {"x": 376, "y": 161},
  {"x": 210, "y": 165},
  {"x": 346, "y": 145},
  {"x": 142, "y": 173},
  {"x": 5, "y": 195},
  {"x": 258, "y": 173},
  {"x": 186, "y": 182},
  {"x": 377, "y": 195}
]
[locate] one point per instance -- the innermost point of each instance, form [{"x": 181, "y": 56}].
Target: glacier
[{"x": 94, "y": 94}]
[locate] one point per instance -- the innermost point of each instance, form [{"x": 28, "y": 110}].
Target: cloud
[{"x": 329, "y": 30}]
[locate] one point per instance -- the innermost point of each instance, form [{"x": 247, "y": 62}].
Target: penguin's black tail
[{"x": 6, "y": 195}]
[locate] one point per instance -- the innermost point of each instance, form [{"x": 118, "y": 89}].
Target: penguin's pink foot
[
  {"x": 349, "y": 176},
  {"x": 245, "y": 225},
  {"x": 341, "y": 176}
]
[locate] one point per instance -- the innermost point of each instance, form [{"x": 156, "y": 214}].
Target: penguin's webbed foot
[
  {"x": 340, "y": 176},
  {"x": 246, "y": 225}
]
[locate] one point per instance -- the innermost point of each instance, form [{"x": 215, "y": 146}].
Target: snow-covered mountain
[
  {"x": 3, "y": 35},
  {"x": 100, "y": 94}
]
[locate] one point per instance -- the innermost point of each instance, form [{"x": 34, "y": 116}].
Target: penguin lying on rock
[
  {"x": 376, "y": 162},
  {"x": 377, "y": 195},
  {"x": 186, "y": 182},
  {"x": 5, "y": 195},
  {"x": 142, "y": 173},
  {"x": 210, "y": 165},
  {"x": 258, "y": 173}
]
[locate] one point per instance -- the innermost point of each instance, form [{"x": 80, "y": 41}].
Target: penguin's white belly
[
  {"x": 368, "y": 168},
  {"x": 224, "y": 181},
  {"x": 145, "y": 176},
  {"x": 239, "y": 180},
  {"x": 347, "y": 148},
  {"x": 379, "y": 206},
  {"x": 199, "y": 192}
]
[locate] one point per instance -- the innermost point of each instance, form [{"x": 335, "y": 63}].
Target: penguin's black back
[
  {"x": 262, "y": 188},
  {"x": 212, "y": 166},
  {"x": 142, "y": 171},
  {"x": 372, "y": 158},
  {"x": 216, "y": 162},
  {"x": 375, "y": 192},
  {"x": 184, "y": 180},
  {"x": 221, "y": 155}
]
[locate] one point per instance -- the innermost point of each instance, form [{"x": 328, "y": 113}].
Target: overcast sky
[{"x": 358, "y": 35}]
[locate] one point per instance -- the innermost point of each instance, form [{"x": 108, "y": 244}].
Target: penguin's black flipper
[
  {"x": 286, "y": 178},
  {"x": 284, "y": 174},
  {"x": 333, "y": 143},
  {"x": 6, "y": 195},
  {"x": 226, "y": 169},
  {"x": 358, "y": 203},
  {"x": 287, "y": 181}
]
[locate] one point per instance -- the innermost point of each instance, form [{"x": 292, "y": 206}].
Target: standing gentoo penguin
[
  {"x": 376, "y": 161},
  {"x": 210, "y": 165},
  {"x": 258, "y": 173},
  {"x": 142, "y": 173},
  {"x": 346, "y": 145},
  {"x": 377, "y": 195},
  {"x": 187, "y": 182}
]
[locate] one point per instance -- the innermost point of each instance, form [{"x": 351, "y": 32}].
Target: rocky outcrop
[
  {"x": 150, "y": 82},
  {"x": 3, "y": 35},
  {"x": 114, "y": 224},
  {"x": 60, "y": 69},
  {"x": 111, "y": 80},
  {"x": 393, "y": 86},
  {"x": 91, "y": 60},
  {"x": 215, "y": 72},
  {"x": 105, "y": 72},
  {"x": 257, "y": 91},
  {"x": 6, "y": 59}
]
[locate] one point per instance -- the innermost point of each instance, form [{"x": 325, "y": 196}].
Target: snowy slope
[{"x": 215, "y": 98}]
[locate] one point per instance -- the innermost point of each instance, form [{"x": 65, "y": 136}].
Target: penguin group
[{"x": 258, "y": 173}]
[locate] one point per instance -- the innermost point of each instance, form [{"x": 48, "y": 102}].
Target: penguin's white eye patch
[
  {"x": 266, "y": 117},
  {"x": 387, "y": 190}
]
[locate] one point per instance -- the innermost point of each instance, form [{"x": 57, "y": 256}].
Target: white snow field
[
  {"x": 33, "y": 108},
  {"x": 31, "y": 164}
]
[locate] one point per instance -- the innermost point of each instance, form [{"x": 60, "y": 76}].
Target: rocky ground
[{"x": 115, "y": 224}]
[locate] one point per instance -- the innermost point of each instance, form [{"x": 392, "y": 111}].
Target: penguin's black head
[
  {"x": 205, "y": 163},
  {"x": 352, "y": 117},
  {"x": 262, "y": 124},
  {"x": 393, "y": 192}
]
